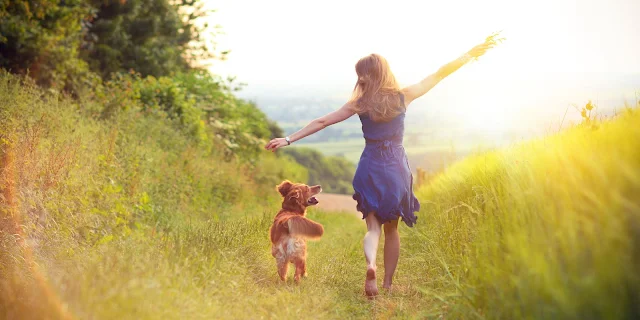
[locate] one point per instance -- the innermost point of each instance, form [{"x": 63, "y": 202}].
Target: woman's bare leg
[
  {"x": 370, "y": 242},
  {"x": 391, "y": 251}
]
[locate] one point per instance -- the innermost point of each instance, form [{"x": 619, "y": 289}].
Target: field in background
[{"x": 432, "y": 157}]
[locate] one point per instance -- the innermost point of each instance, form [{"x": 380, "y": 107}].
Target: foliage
[
  {"x": 197, "y": 103},
  {"x": 275, "y": 130},
  {"x": 335, "y": 174},
  {"x": 272, "y": 170},
  {"x": 58, "y": 42},
  {"x": 144, "y": 167},
  {"x": 43, "y": 38},
  {"x": 165, "y": 95},
  {"x": 240, "y": 126},
  {"x": 143, "y": 50},
  {"x": 152, "y": 37}
]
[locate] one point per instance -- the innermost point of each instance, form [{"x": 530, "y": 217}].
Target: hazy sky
[{"x": 288, "y": 45}]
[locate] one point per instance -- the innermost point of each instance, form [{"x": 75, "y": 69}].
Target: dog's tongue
[{"x": 313, "y": 200}]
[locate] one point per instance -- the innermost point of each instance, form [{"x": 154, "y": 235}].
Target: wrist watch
[{"x": 288, "y": 140}]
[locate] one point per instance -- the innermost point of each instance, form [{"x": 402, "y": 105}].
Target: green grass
[
  {"x": 73, "y": 182},
  {"x": 128, "y": 218},
  {"x": 544, "y": 230},
  {"x": 225, "y": 270}
]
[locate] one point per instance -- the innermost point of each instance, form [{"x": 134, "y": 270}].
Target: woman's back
[
  {"x": 383, "y": 182},
  {"x": 392, "y": 130}
]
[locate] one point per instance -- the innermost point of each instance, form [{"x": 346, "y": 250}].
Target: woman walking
[{"x": 383, "y": 181}]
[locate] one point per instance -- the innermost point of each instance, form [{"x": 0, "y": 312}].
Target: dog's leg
[
  {"x": 301, "y": 270},
  {"x": 283, "y": 268},
  {"x": 304, "y": 268}
]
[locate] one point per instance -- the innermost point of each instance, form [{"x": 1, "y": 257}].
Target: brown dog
[{"x": 291, "y": 229}]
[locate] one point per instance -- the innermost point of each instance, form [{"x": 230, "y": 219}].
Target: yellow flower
[{"x": 589, "y": 105}]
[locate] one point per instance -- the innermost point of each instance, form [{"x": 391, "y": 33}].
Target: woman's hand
[
  {"x": 417, "y": 90},
  {"x": 490, "y": 42},
  {"x": 479, "y": 50},
  {"x": 276, "y": 143}
]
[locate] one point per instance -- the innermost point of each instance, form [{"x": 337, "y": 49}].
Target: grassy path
[
  {"x": 337, "y": 203},
  {"x": 334, "y": 287},
  {"x": 227, "y": 272}
]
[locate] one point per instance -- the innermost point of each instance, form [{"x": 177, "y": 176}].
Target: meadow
[
  {"x": 134, "y": 185},
  {"x": 127, "y": 217}
]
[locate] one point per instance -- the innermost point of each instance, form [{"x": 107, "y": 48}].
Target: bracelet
[{"x": 288, "y": 140}]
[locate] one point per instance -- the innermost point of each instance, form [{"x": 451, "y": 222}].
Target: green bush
[
  {"x": 43, "y": 39},
  {"x": 238, "y": 125},
  {"x": 136, "y": 167},
  {"x": 69, "y": 45},
  {"x": 197, "y": 103}
]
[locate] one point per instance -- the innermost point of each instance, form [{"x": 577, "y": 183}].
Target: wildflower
[{"x": 589, "y": 105}]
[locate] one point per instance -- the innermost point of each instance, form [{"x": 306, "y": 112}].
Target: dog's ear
[
  {"x": 284, "y": 187},
  {"x": 295, "y": 194}
]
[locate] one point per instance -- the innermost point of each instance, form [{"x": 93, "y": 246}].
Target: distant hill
[{"x": 529, "y": 108}]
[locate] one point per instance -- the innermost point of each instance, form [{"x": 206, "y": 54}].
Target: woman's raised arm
[
  {"x": 417, "y": 90},
  {"x": 314, "y": 126}
]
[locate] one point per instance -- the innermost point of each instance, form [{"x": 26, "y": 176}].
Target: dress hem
[{"x": 365, "y": 208}]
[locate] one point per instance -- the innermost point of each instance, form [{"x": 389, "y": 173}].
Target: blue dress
[{"x": 383, "y": 183}]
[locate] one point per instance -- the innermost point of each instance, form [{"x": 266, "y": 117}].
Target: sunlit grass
[
  {"x": 125, "y": 219},
  {"x": 225, "y": 270},
  {"x": 548, "y": 229}
]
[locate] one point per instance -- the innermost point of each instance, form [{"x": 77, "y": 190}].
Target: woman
[{"x": 383, "y": 181}]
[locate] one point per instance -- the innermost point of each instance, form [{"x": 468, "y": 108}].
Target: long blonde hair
[{"x": 376, "y": 92}]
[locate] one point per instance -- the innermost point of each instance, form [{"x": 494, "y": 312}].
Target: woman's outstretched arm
[
  {"x": 314, "y": 126},
  {"x": 417, "y": 90}
]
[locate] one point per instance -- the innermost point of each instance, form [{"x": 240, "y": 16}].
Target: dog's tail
[{"x": 302, "y": 227}]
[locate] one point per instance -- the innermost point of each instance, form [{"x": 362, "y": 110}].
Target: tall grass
[
  {"x": 73, "y": 181},
  {"x": 127, "y": 216},
  {"x": 546, "y": 230}
]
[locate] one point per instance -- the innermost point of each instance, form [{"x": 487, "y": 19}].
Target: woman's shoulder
[{"x": 401, "y": 95}]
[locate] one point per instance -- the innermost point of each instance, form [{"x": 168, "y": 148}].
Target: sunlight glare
[{"x": 307, "y": 46}]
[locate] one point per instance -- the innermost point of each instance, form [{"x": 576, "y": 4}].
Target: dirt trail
[{"x": 337, "y": 202}]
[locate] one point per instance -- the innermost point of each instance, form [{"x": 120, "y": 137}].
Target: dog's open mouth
[{"x": 312, "y": 201}]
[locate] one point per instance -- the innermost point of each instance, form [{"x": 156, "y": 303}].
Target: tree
[
  {"x": 64, "y": 43},
  {"x": 152, "y": 37},
  {"x": 42, "y": 38}
]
